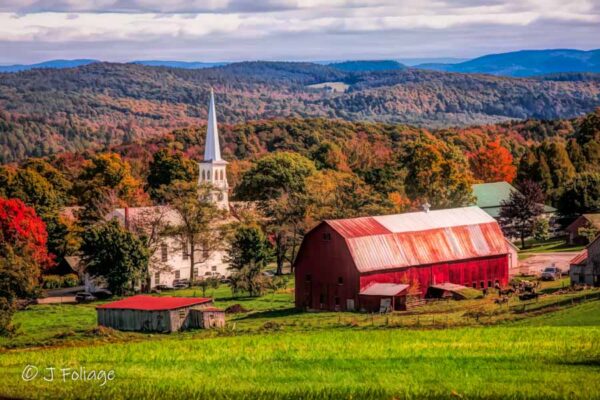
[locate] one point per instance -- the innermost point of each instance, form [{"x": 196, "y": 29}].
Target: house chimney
[{"x": 426, "y": 207}]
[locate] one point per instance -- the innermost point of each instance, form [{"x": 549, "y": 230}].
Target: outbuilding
[
  {"x": 154, "y": 314},
  {"x": 339, "y": 260}
]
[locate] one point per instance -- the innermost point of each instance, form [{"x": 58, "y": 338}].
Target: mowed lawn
[{"x": 546, "y": 358}]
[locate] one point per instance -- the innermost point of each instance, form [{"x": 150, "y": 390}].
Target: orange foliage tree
[{"x": 493, "y": 163}]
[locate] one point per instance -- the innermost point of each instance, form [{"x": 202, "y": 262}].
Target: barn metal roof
[
  {"x": 383, "y": 289},
  {"x": 580, "y": 258},
  {"x": 403, "y": 240},
  {"x": 153, "y": 303}
]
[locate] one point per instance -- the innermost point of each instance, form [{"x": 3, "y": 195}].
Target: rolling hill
[
  {"x": 48, "y": 110},
  {"x": 526, "y": 63}
]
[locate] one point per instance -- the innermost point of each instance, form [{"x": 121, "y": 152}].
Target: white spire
[{"x": 212, "y": 151}]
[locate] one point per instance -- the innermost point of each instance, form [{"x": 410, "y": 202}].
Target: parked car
[
  {"x": 83, "y": 297},
  {"x": 102, "y": 294},
  {"x": 551, "y": 274},
  {"x": 164, "y": 287},
  {"x": 181, "y": 283}
]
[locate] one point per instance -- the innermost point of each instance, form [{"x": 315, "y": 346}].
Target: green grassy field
[{"x": 549, "y": 350}]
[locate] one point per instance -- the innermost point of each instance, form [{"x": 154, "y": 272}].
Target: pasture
[{"x": 548, "y": 348}]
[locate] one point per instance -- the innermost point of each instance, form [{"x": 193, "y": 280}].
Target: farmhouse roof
[
  {"x": 418, "y": 238},
  {"x": 383, "y": 289},
  {"x": 153, "y": 303}
]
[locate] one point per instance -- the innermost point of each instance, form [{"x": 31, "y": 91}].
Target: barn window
[
  {"x": 177, "y": 274},
  {"x": 322, "y": 299},
  {"x": 337, "y": 301},
  {"x": 307, "y": 278},
  {"x": 482, "y": 284},
  {"x": 340, "y": 280},
  {"x": 489, "y": 284},
  {"x": 164, "y": 252},
  {"x": 474, "y": 285},
  {"x": 327, "y": 236},
  {"x": 157, "y": 278}
]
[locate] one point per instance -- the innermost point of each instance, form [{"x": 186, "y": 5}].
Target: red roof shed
[{"x": 339, "y": 258}]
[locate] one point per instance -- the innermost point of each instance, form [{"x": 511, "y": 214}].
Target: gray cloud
[{"x": 232, "y": 30}]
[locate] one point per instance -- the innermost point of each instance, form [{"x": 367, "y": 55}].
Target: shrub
[
  {"x": 52, "y": 281},
  {"x": 70, "y": 280}
]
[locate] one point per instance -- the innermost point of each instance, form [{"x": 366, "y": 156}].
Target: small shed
[
  {"x": 583, "y": 221},
  {"x": 152, "y": 314},
  {"x": 208, "y": 317},
  {"x": 446, "y": 290},
  {"x": 577, "y": 268},
  {"x": 383, "y": 297}
]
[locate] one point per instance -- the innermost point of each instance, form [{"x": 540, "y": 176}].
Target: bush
[
  {"x": 6, "y": 312},
  {"x": 70, "y": 280},
  {"x": 51, "y": 281}
]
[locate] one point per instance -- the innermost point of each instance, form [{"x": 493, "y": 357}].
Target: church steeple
[
  {"x": 212, "y": 151},
  {"x": 212, "y": 169}
]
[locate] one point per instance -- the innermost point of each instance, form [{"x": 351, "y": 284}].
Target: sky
[{"x": 236, "y": 30}]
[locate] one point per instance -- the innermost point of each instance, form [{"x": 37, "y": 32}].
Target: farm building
[
  {"x": 341, "y": 261},
  {"x": 159, "y": 314},
  {"x": 490, "y": 197},
  {"x": 583, "y": 221},
  {"x": 585, "y": 267}
]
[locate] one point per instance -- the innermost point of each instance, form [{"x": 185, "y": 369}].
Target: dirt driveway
[{"x": 536, "y": 263}]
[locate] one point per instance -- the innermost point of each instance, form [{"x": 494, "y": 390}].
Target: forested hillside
[{"x": 48, "y": 110}]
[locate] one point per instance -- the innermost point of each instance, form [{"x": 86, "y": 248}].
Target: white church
[{"x": 170, "y": 262}]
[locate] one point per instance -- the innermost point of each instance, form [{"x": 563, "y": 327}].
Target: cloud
[{"x": 291, "y": 29}]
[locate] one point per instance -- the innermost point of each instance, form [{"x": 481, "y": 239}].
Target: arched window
[
  {"x": 221, "y": 176},
  {"x": 203, "y": 175},
  {"x": 208, "y": 175}
]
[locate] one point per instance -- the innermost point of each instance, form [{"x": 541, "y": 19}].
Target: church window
[
  {"x": 208, "y": 175},
  {"x": 164, "y": 252},
  {"x": 203, "y": 175}
]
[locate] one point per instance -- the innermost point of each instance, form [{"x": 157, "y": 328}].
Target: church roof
[{"x": 212, "y": 150}]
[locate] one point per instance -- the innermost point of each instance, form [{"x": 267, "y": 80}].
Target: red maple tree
[
  {"x": 21, "y": 227},
  {"x": 493, "y": 163}
]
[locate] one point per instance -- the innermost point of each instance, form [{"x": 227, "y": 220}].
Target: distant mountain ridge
[
  {"x": 55, "y": 64},
  {"x": 526, "y": 63},
  {"x": 367, "y": 65},
  {"x": 179, "y": 64}
]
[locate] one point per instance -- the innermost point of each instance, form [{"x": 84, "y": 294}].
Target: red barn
[{"x": 342, "y": 264}]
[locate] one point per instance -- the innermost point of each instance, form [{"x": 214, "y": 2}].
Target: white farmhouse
[{"x": 170, "y": 260}]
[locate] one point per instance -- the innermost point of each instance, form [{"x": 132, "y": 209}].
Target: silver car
[{"x": 551, "y": 274}]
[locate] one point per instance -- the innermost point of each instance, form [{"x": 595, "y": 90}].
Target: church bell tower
[{"x": 213, "y": 167}]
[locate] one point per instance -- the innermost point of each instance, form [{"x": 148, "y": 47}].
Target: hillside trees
[
  {"x": 248, "y": 254},
  {"x": 166, "y": 167},
  {"x": 278, "y": 182},
  {"x": 493, "y": 163},
  {"x": 105, "y": 183},
  {"x": 518, "y": 215},
  {"x": 198, "y": 216},
  {"x": 23, "y": 256},
  {"x": 437, "y": 172},
  {"x": 114, "y": 253}
]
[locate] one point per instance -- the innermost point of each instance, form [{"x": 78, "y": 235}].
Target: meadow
[{"x": 450, "y": 349}]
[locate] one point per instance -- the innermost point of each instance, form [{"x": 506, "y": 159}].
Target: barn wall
[
  {"x": 478, "y": 271},
  {"x": 324, "y": 262}
]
